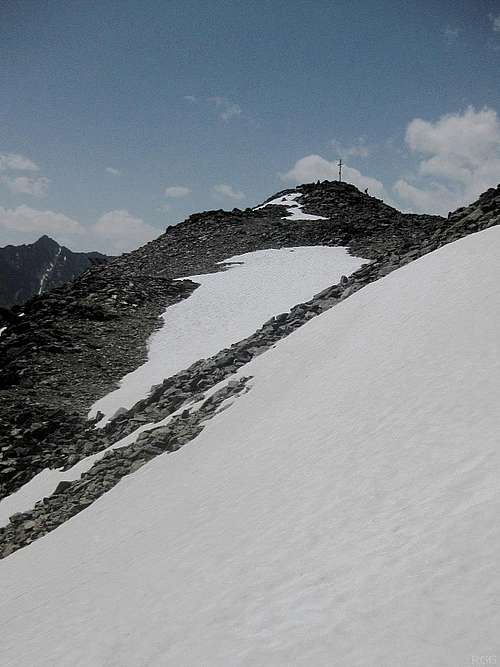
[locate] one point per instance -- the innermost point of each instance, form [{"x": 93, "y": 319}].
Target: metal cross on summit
[{"x": 340, "y": 169}]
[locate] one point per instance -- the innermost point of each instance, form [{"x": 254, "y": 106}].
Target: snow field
[
  {"x": 294, "y": 209},
  {"x": 343, "y": 512},
  {"x": 227, "y": 307}
]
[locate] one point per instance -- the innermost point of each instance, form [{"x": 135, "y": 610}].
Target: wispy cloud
[
  {"x": 10, "y": 163},
  {"x": 113, "y": 171},
  {"x": 227, "y": 191},
  {"x": 358, "y": 149},
  {"x": 495, "y": 20},
  {"x": 36, "y": 187},
  {"x": 230, "y": 112},
  {"x": 177, "y": 191},
  {"x": 16, "y": 162},
  {"x": 227, "y": 109}
]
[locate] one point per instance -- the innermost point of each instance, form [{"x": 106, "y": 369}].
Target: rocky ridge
[{"x": 414, "y": 237}]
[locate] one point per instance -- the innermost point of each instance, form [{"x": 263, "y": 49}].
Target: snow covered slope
[
  {"x": 227, "y": 307},
  {"x": 343, "y": 512},
  {"x": 294, "y": 208}
]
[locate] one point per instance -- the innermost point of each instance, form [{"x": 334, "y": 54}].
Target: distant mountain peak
[
  {"x": 33, "y": 268},
  {"x": 46, "y": 241}
]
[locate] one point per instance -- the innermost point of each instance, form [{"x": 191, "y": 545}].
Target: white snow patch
[
  {"x": 228, "y": 306},
  {"x": 294, "y": 209},
  {"x": 343, "y": 512},
  {"x": 48, "y": 271}
]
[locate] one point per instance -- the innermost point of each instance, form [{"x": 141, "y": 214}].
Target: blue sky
[{"x": 119, "y": 118}]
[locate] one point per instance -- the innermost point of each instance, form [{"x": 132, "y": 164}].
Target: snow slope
[
  {"x": 343, "y": 512},
  {"x": 294, "y": 209},
  {"x": 227, "y": 307}
]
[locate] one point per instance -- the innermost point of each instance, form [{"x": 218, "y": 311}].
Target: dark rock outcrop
[{"x": 35, "y": 268}]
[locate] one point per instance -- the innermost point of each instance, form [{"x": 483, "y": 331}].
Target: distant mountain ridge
[{"x": 35, "y": 268}]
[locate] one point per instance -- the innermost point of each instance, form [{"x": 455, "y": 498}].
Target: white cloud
[
  {"x": 227, "y": 191},
  {"x": 37, "y": 187},
  {"x": 113, "y": 171},
  {"x": 435, "y": 198},
  {"x": 230, "y": 112},
  {"x": 227, "y": 109},
  {"x": 26, "y": 185},
  {"x": 24, "y": 219},
  {"x": 190, "y": 98},
  {"x": 471, "y": 135},
  {"x": 460, "y": 159},
  {"x": 358, "y": 149},
  {"x": 113, "y": 233},
  {"x": 314, "y": 167},
  {"x": 16, "y": 162},
  {"x": 176, "y": 191},
  {"x": 119, "y": 231},
  {"x": 496, "y": 22}
]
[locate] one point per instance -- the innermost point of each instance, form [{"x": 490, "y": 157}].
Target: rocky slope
[
  {"x": 38, "y": 267},
  {"x": 73, "y": 344}
]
